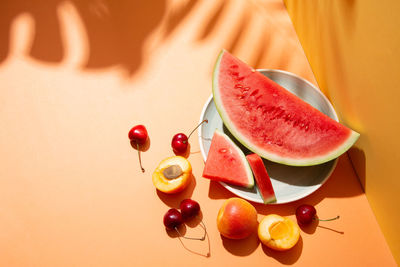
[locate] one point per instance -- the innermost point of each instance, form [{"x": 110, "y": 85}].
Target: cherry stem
[
  {"x": 204, "y": 121},
  {"x": 327, "y": 220},
  {"x": 140, "y": 160},
  {"x": 194, "y": 238},
  {"x": 195, "y": 252}
]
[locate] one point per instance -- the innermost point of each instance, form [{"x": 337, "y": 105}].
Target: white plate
[{"x": 290, "y": 183}]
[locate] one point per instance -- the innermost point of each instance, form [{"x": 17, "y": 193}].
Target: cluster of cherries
[
  {"x": 138, "y": 136},
  {"x": 189, "y": 209}
]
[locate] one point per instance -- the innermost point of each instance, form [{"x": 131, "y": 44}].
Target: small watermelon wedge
[
  {"x": 227, "y": 163},
  {"x": 262, "y": 178},
  {"x": 271, "y": 121}
]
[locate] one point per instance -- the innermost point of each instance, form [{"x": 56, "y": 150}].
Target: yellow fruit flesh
[
  {"x": 278, "y": 233},
  {"x": 176, "y": 184},
  {"x": 279, "y": 230}
]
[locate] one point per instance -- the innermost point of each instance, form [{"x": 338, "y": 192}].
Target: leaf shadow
[
  {"x": 175, "y": 17},
  {"x": 211, "y": 23}
]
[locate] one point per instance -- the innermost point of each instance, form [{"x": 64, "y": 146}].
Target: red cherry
[
  {"x": 189, "y": 208},
  {"x": 172, "y": 219},
  {"x": 305, "y": 214},
  {"x": 138, "y": 134},
  {"x": 180, "y": 141}
]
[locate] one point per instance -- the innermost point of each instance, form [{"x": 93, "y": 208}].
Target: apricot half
[
  {"x": 172, "y": 175},
  {"x": 278, "y": 233}
]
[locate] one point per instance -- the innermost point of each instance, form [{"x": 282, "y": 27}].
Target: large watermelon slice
[
  {"x": 262, "y": 178},
  {"x": 227, "y": 163},
  {"x": 271, "y": 121}
]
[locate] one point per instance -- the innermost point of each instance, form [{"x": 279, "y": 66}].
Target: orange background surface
[
  {"x": 76, "y": 77},
  {"x": 356, "y": 63}
]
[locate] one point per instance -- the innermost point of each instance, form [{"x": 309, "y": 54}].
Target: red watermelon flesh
[
  {"x": 271, "y": 121},
  {"x": 262, "y": 178},
  {"x": 227, "y": 163}
]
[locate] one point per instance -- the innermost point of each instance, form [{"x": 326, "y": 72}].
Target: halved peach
[
  {"x": 277, "y": 232},
  {"x": 172, "y": 175}
]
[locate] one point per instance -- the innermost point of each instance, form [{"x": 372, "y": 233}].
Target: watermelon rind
[
  {"x": 255, "y": 162},
  {"x": 249, "y": 173},
  {"x": 262, "y": 152}
]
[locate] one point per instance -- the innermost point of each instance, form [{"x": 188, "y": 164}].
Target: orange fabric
[{"x": 76, "y": 77}]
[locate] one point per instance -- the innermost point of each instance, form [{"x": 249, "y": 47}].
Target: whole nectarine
[{"x": 237, "y": 219}]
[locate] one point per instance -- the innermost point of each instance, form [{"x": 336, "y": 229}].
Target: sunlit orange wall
[{"x": 354, "y": 50}]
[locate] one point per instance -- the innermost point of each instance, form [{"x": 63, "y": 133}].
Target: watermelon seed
[
  {"x": 278, "y": 143},
  {"x": 261, "y": 106},
  {"x": 254, "y": 92},
  {"x": 223, "y": 150},
  {"x": 246, "y": 88},
  {"x": 238, "y": 86}
]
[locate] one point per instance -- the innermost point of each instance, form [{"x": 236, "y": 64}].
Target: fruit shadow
[
  {"x": 176, "y": 233},
  {"x": 185, "y": 236},
  {"x": 358, "y": 162},
  {"x": 184, "y": 154},
  {"x": 217, "y": 191},
  {"x": 288, "y": 257},
  {"x": 195, "y": 221},
  {"x": 173, "y": 200},
  {"x": 242, "y": 247},
  {"x": 310, "y": 228},
  {"x": 332, "y": 188}
]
